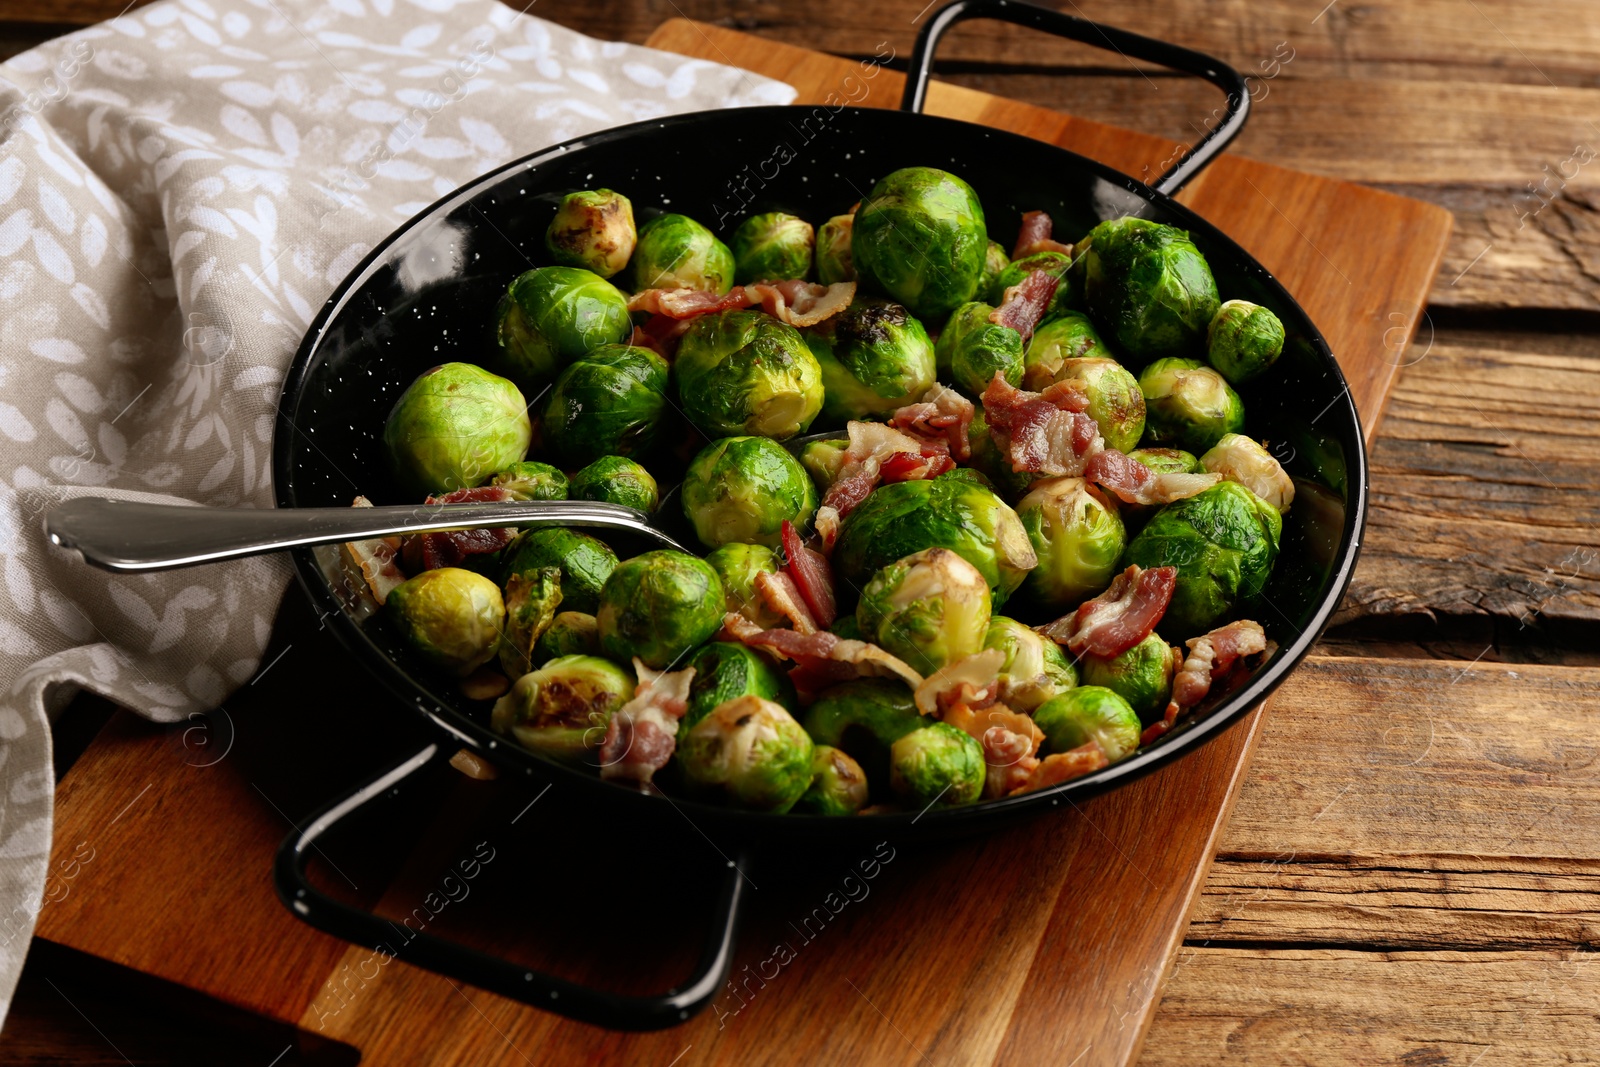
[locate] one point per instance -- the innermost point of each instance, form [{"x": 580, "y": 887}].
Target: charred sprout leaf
[
  {"x": 561, "y": 710},
  {"x": 1078, "y": 536},
  {"x": 454, "y": 427},
  {"x": 676, "y": 252},
  {"x": 585, "y": 563},
  {"x": 751, "y": 751},
  {"x": 834, "y": 264},
  {"x": 874, "y": 357},
  {"x": 838, "y": 784},
  {"x": 532, "y": 598},
  {"x": 742, "y": 489},
  {"x": 972, "y": 350},
  {"x": 658, "y": 606},
  {"x": 571, "y": 633},
  {"x": 724, "y": 671},
  {"x": 772, "y": 247},
  {"x": 937, "y": 764},
  {"x": 1147, "y": 286},
  {"x": 919, "y": 238},
  {"x": 1240, "y": 459},
  {"x": 553, "y": 315},
  {"x": 1142, "y": 676},
  {"x": 1189, "y": 404},
  {"x": 1035, "y": 669},
  {"x": 616, "y": 480},
  {"x": 1069, "y": 336},
  {"x": 738, "y": 565},
  {"x": 592, "y": 229},
  {"x": 744, "y": 372},
  {"x": 532, "y": 480},
  {"x": 928, "y": 609},
  {"x": 1243, "y": 341},
  {"x": 1089, "y": 713},
  {"x": 607, "y": 402},
  {"x": 450, "y": 617}
]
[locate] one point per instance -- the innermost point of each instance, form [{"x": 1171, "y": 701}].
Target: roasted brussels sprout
[
  {"x": 743, "y": 489},
  {"x": 823, "y": 460},
  {"x": 1243, "y": 340},
  {"x": 1189, "y": 404},
  {"x": 738, "y": 565},
  {"x": 771, "y": 247},
  {"x": 995, "y": 260},
  {"x": 1071, "y": 335},
  {"x": 1147, "y": 285},
  {"x": 585, "y": 563},
  {"x": 532, "y": 598},
  {"x": 1240, "y": 459},
  {"x": 450, "y": 617},
  {"x": 561, "y": 710},
  {"x": 937, "y": 764},
  {"x": 905, "y": 517},
  {"x": 874, "y": 357},
  {"x": 1223, "y": 542},
  {"x": 1115, "y": 401},
  {"x": 676, "y": 252},
  {"x": 744, "y": 372},
  {"x": 1035, "y": 668},
  {"x": 834, "y": 264},
  {"x": 929, "y": 609},
  {"x": 1078, "y": 535},
  {"x": 571, "y": 633},
  {"x": 532, "y": 480},
  {"x": 724, "y": 671},
  {"x": 972, "y": 350},
  {"x": 864, "y": 718},
  {"x": 616, "y": 480},
  {"x": 919, "y": 238},
  {"x": 454, "y": 427},
  {"x": 658, "y": 606},
  {"x": 838, "y": 784},
  {"x": 1089, "y": 713},
  {"x": 1052, "y": 263},
  {"x": 1142, "y": 676},
  {"x": 606, "y": 403},
  {"x": 751, "y": 751},
  {"x": 592, "y": 229},
  {"x": 552, "y": 315}
]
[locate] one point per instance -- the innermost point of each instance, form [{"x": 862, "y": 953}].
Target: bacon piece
[
  {"x": 779, "y": 593},
  {"x": 1009, "y": 761},
  {"x": 737, "y": 628},
  {"x": 1034, "y": 236},
  {"x": 642, "y": 734},
  {"x": 1134, "y": 483},
  {"x": 871, "y": 443},
  {"x": 801, "y": 303},
  {"x": 909, "y": 467},
  {"x": 661, "y": 334},
  {"x": 941, "y": 415},
  {"x": 1119, "y": 618},
  {"x": 449, "y": 548},
  {"x": 1047, "y": 433},
  {"x": 826, "y": 523},
  {"x": 1211, "y": 657},
  {"x": 687, "y": 303},
  {"x": 811, "y": 575},
  {"x": 373, "y": 562},
  {"x": 1025, "y": 303},
  {"x": 973, "y": 680},
  {"x": 823, "y": 659},
  {"x": 1061, "y": 767}
]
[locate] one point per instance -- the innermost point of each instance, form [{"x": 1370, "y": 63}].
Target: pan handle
[
  {"x": 612, "y": 1010},
  {"x": 1218, "y": 73}
]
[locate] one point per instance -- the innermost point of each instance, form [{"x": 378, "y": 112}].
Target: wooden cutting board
[{"x": 1046, "y": 943}]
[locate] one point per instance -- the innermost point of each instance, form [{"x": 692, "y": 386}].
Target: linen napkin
[{"x": 180, "y": 189}]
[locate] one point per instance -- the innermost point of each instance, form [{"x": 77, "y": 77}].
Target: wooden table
[{"x": 1410, "y": 874}]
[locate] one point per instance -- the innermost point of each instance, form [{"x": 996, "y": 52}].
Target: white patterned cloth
[{"x": 180, "y": 189}]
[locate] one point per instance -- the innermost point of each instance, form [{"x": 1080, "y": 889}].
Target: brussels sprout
[
  {"x": 930, "y": 609},
  {"x": 1069, "y": 336},
  {"x": 972, "y": 350},
  {"x": 752, "y": 751},
  {"x": 658, "y": 606},
  {"x": 676, "y": 252},
  {"x": 937, "y": 764},
  {"x": 1189, "y": 404},
  {"x": 1243, "y": 340},
  {"x": 846, "y": 628},
  {"x": 834, "y": 264},
  {"x": 838, "y": 784},
  {"x": 553, "y": 315},
  {"x": 1142, "y": 676},
  {"x": 585, "y": 562},
  {"x": 1035, "y": 669},
  {"x": 864, "y": 718},
  {"x": 1147, "y": 285},
  {"x": 968, "y": 474},
  {"x": 1089, "y": 713},
  {"x": 1239, "y": 459},
  {"x": 616, "y": 480},
  {"x": 571, "y": 633},
  {"x": 606, "y": 403},
  {"x": 744, "y": 372},
  {"x": 738, "y": 565},
  {"x": 824, "y": 460},
  {"x": 995, "y": 260},
  {"x": 450, "y": 617},
  {"x": 592, "y": 229},
  {"x": 724, "y": 671},
  {"x": 561, "y": 710},
  {"x": 532, "y": 480},
  {"x": 905, "y": 517},
  {"x": 874, "y": 357},
  {"x": 1223, "y": 542},
  {"x": 532, "y": 598},
  {"x": 1078, "y": 536},
  {"x": 743, "y": 488},
  {"x": 772, "y": 247},
  {"x": 454, "y": 427},
  {"x": 919, "y": 238},
  {"x": 1055, "y": 264},
  {"x": 1115, "y": 401}
]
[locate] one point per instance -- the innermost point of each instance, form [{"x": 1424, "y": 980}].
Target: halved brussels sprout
[
  {"x": 1055, "y": 264},
  {"x": 532, "y": 480},
  {"x": 838, "y": 784},
  {"x": 972, "y": 350},
  {"x": 450, "y": 617},
  {"x": 744, "y": 372},
  {"x": 772, "y": 247},
  {"x": 1142, "y": 676},
  {"x": 562, "y": 709},
  {"x": 1243, "y": 340},
  {"x": 532, "y": 598},
  {"x": 1240, "y": 459},
  {"x": 658, "y": 606},
  {"x": 676, "y": 252},
  {"x": 585, "y": 562},
  {"x": 919, "y": 238},
  {"x": 1223, "y": 542},
  {"x": 874, "y": 357},
  {"x": 571, "y": 633},
  {"x": 823, "y": 460},
  {"x": 834, "y": 264},
  {"x": 1189, "y": 404},
  {"x": 454, "y": 427},
  {"x": 1035, "y": 669},
  {"x": 864, "y": 718},
  {"x": 1071, "y": 335},
  {"x": 553, "y": 315},
  {"x": 750, "y": 750},
  {"x": 937, "y": 764},
  {"x": 606, "y": 403},
  {"x": 1089, "y": 713},
  {"x": 738, "y": 565},
  {"x": 743, "y": 489},
  {"x": 1147, "y": 285},
  {"x": 724, "y": 671},
  {"x": 995, "y": 260},
  {"x": 1078, "y": 535},
  {"x": 616, "y": 480},
  {"x": 592, "y": 229},
  {"x": 929, "y": 609},
  {"x": 1115, "y": 401}
]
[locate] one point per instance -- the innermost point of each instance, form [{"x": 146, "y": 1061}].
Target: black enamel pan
[{"x": 426, "y": 294}]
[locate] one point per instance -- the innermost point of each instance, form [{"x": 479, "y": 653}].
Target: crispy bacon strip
[
  {"x": 642, "y": 734},
  {"x": 871, "y": 443},
  {"x": 794, "y": 301},
  {"x": 1046, "y": 433},
  {"x": 449, "y": 548},
  {"x": 811, "y": 576},
  {"x": 1008, "y": 759},
  {"x": 1119, "y": 618},
  {"x": 1134, "y": 483},
  {"x": 941, "y": 415},
  {"x": 661, "y": 334},
  {"x": 826, "y": 523},
  {"x": 908, "y": 467},
  {"x": 1217, "y": 660},
  {"x": 972, "y": 680},
  {"x": 1034, "y": 236},
  {"x": 779, "y": 592},
  {"x": 737, "y": 628},
  {"x": 374, "y": 561},
  {"x": 1025, "y": 303},
  {"x": 822, "y": 659},
  {"x": 687, "y": 303},
  {"x": 1061, "y": 767}
]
